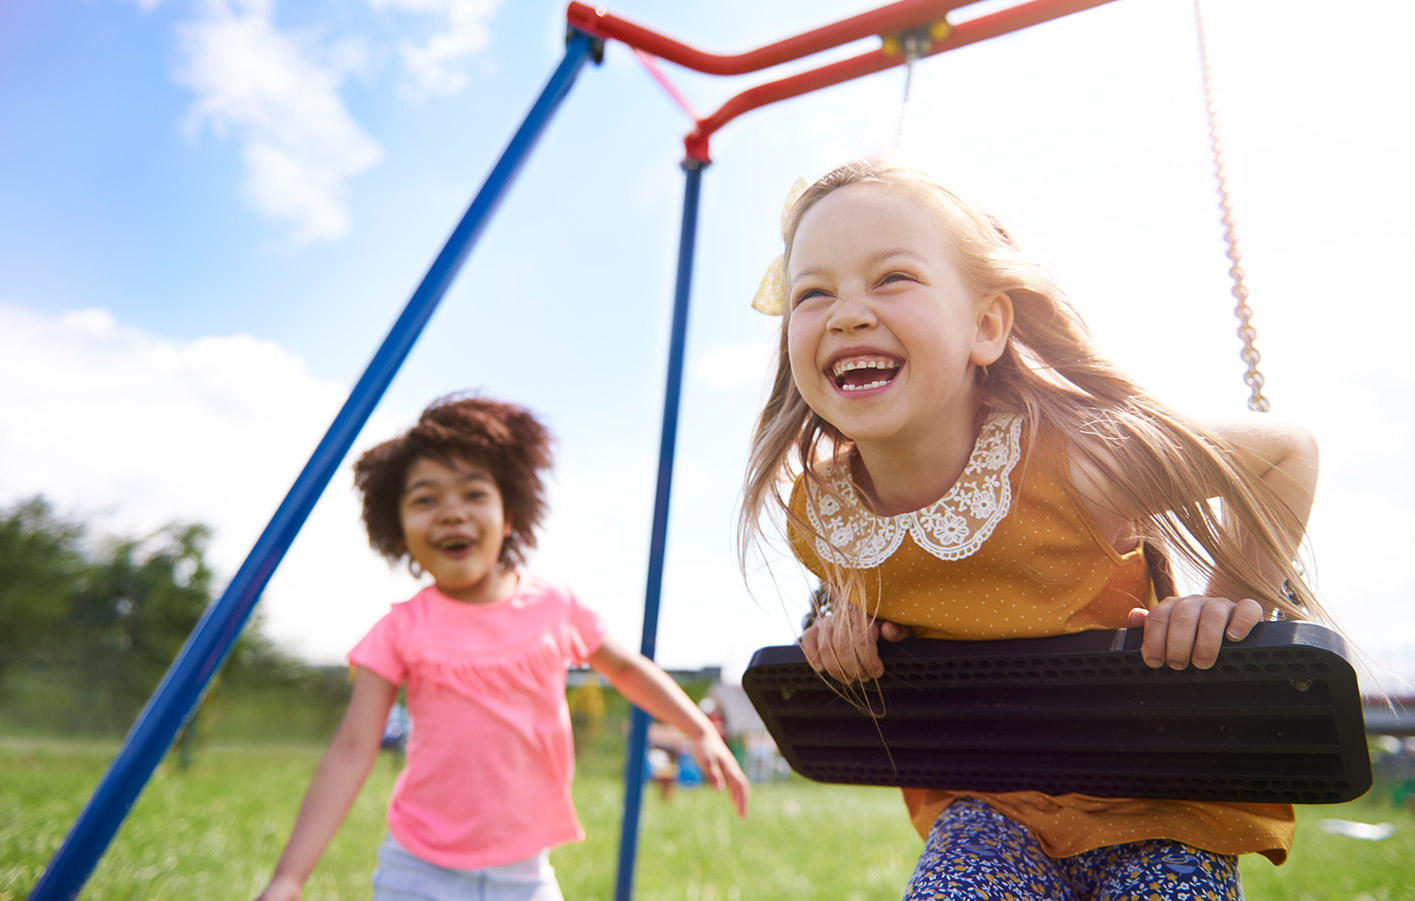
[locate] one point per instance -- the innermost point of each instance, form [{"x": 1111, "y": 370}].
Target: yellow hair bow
[{"x": 771, "y": 293}]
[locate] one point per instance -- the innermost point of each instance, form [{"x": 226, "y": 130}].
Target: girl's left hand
[
  {"x": 721, "y": 771},
  {"x": 1181, "y": 631}
]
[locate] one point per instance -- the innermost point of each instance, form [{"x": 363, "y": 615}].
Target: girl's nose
[
  {"x": 453, "y": 511},
  {"x": 851, "y": 313}
]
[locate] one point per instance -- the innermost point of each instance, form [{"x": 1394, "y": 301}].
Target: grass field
[{"x": 213, "y": 832}]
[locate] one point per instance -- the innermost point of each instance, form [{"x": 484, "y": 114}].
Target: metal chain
[
  {"x": 1250, "y": 356},
  {"x": 913, "y": 44}
]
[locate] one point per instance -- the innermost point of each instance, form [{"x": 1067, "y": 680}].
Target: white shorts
[{"x": 403, "y": 876}]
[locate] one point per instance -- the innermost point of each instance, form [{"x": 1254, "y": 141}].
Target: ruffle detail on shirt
[
  {"x": 952, "y": 528},
  {"x": 476, "y": 676}
]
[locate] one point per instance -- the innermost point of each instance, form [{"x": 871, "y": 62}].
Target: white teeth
[
  {"x": 878, "y": 384},
  {"x": 845, "y": 366}
]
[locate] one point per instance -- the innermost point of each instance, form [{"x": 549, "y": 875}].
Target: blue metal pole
[
  {"x": 210, "y": 642},
  {"x": 639, "y": 724}
]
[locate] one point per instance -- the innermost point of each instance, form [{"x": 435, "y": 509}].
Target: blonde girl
[{"x": 962, "y": 463}]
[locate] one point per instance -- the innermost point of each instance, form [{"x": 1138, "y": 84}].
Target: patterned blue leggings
[{"x": 975, "y": 852}]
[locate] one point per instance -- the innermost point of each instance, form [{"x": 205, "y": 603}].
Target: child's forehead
[
  {"x": 865, "y": 214},
  {"x": 431, "y": 469},
  {"x": 842, "y": 206}
]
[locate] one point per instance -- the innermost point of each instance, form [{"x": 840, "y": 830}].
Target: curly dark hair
[{"x": 512, "y": 445}]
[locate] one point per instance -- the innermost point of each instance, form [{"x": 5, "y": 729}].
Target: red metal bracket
[{"x": 887, "y": 22}]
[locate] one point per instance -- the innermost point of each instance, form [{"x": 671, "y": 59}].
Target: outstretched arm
[
  {"x": 335, "y": 784},
  {"x": 1190, "y": 629},
  {"x": 648, "y": 687},
  {"x": 1285, "y": 456}
]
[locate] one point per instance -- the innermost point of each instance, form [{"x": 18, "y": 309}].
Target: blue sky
[{"x": 211, "y": 212}]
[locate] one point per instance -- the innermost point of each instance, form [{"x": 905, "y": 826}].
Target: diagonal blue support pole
[
  {"x": 639, "y": 725},
  {"x": 210, "y": 642}
]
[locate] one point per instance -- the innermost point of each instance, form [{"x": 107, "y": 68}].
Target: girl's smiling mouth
[
  {"x": 865, "y": 372},
  {"x": 455, "y": 545}
]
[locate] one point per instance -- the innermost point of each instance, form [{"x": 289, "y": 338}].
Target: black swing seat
[{"x": 1277, "y": 719}]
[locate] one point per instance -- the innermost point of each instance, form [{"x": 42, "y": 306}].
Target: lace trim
[{"x": 951, "y": 528}]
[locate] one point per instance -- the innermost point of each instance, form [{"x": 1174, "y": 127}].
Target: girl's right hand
[{"x": 845, "y": 644}]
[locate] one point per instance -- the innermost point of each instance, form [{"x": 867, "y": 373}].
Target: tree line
[{"x": 89, "y": 624}]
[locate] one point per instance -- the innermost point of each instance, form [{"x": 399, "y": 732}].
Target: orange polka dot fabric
[{"x": 1043, "y": 570}]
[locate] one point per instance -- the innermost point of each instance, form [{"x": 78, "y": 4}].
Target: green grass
[
  {"x": 1326, "y": 867},
  {"x": 215, "y": 830},
  {"x": 212, "y": 831}
]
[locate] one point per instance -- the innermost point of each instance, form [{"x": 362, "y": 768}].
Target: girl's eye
[
  {"x": 897, "y": 277},
  {"x": 421, "y": 501},
  {"x": 807, "y": 295}
]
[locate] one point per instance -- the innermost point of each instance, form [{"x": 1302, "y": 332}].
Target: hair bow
[{"x": 771, "y": 293}]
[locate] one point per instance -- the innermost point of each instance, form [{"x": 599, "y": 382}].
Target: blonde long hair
[{"x": 1052, "y": 374}]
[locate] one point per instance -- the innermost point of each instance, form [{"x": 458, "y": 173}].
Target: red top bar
[
  {"x": 891, "y": 20},
  {"x": 896, "y": 17},
  {"x": 981, "y": 28}
]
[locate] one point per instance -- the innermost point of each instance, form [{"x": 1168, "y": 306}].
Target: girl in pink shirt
[{"x": 482, "y": 652}]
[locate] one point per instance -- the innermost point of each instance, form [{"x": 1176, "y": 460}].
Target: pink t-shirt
[{"x": 490, "y": 756}]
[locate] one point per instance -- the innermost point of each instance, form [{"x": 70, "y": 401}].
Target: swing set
[{"x": 1292, "y": 678}]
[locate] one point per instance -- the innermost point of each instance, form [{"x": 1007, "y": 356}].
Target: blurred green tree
[
  {"x": 42, "y": 568},
  {"x": 88, "y": 628},
  {"x": 142, "y": 599}
]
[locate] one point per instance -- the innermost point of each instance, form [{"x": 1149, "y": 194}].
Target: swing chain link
[
  {"x": 1246, "y": 332},
  {"x": 821, "y": 607},
  {"x": 914, "y": 45}
]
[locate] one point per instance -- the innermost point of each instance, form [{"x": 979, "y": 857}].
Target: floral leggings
[{"x": 975, "y": 852}]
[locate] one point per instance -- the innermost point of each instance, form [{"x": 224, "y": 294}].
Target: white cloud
[
  {"x": 276, "y": 93},
  {"x": 130, "y": 431},
  {"x": 435, "y": 64},
  {"x": 270, "y": 91}
]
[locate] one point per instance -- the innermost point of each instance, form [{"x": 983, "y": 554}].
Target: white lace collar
[{"x": 951, "y": 528}]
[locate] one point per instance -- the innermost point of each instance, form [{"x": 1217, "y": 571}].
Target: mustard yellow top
[{"x": 1009, "y": 552}]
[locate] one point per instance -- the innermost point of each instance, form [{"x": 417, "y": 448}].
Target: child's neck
[
  {"x": 902, "y": 480},
  {"x": 498, "y": 585}
]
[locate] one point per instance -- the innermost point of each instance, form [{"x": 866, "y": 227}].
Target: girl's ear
[{"x": 994, "y": 327}]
